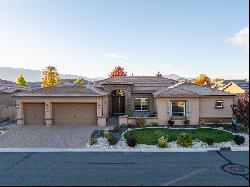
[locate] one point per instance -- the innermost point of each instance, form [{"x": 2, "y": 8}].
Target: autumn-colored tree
[
  {"x": 80, "y": 81},
  {"x": 217, "y": 84},
  {"x": 241, "y": 111},
  {"x": 158, "y": 74},
  {"x": 50, "y": 77},
  {"x": 202, "y": 80},
  {"x": 21, "y": 81},
  {"x": 118, "y": 71}
]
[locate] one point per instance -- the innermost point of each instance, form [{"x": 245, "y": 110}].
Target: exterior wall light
[
  {"x": 46, "y": 106},
  {"x": 98, "y": 106},
  {"x": 17, "y": 106}
]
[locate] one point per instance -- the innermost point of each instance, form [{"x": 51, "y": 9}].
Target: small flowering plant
[{"x": 163, "y": 142}]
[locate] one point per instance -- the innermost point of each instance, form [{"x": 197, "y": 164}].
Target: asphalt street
[{"x": 125, "y": 168}]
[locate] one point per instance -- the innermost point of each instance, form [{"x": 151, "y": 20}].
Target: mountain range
[{"x": 8, "y": 73}]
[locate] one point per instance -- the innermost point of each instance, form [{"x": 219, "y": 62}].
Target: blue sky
[{"x": 90, "y": 37}]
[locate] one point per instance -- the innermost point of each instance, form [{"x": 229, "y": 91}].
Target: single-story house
[{"x": 157, "y": 99}]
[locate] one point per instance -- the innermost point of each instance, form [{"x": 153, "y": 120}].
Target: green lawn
[{"x": 150, "y": 136}]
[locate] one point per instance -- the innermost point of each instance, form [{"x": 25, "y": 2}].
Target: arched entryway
[{"x": 118, "y": 102}]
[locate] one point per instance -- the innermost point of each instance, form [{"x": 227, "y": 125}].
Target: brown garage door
[
  {"x": 74, "y": 113},
  {"x": 34, "y": 113}
]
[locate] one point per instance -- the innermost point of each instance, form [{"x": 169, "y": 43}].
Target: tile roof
[
  {"x": 140, "y": 84},
  {"x": 135, "y": 80},
  {"x": 11, "y": 87},
  {"x": 190, "y": 89},
  {"x": 243, "y": 84},
  {"x": 65, "y": 90}
]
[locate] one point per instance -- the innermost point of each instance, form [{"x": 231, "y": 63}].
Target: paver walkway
[{"x": 35, "y": 136}]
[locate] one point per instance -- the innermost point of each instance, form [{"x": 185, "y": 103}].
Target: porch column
[
  {"x": 48, "y": 113},
  {"x": 101, "y": 118},
  {"x": 20, "y": 115}
]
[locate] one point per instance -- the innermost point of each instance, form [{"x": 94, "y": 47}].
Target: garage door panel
[
  {"x": 34, "y": 113},
  {"x": 74, "y": 113}
]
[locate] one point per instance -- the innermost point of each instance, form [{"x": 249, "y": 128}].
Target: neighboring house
[
  {"x": 237, "y": 87},
  {"x": 7, "y": 101},
  {"x": 125, "y": 98}
]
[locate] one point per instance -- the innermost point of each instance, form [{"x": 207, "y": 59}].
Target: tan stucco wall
[
  {"x": 200, "y": 108},
  {"x": 162, "y": 109},
  {"x": 7, "y": 106},
  {"x": 207, "y": 107},
  {"x": 234, "y": 89},
  {"x": 102, "y": 102},
  {"x": 7, "y": 99},
  {"x": 8, "y": 111}
]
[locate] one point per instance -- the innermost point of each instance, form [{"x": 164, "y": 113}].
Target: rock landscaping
[
  {"x": 169, "y": 137},
  {"x": 3, "y": 130}
]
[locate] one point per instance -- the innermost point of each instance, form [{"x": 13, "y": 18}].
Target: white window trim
[
  {"x": 141, "y": 104},
  {"x": 184, "y": 112},
  {"x": 219, "y": 101}
]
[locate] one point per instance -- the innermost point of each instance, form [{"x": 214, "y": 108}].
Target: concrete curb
[
  {"x": 176, "y": 150},
  {"x": 240, "y": 149}
]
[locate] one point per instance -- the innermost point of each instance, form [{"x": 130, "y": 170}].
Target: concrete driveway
[{"x": 47, "y": 137}]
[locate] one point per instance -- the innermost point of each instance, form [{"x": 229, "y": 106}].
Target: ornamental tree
[
  {"x": 241, "y": 111},
  {"x": 50, "y": 77},
  {"x": 158, "y": 74},
  {"x": 118, "y": 71},
  {"x": 202, "y": 80},
  {"x": 80, "y": 81},
  {"x": 21, "y": 81}
]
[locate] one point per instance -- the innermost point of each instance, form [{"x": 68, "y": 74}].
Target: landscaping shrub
[
  {"x": 155, "y": 124},
  {"x": 163, "y": 142},
  {"x": 154, "y": 114},
  {"x": 202, "y": 122},
  {"x": 184, "y": 139},
  {"x": 106, "y": 133},
  {"x": 117, "y": 129},
  {"x": 93, "y": 141},
  {"x": 241, "y": 111},
  {"x": 131, "y": 142},
  {"x": 217, "y": 122},
  {"x": 140, "y": 122},
  {"x": 170, "y": 122},
  {"x": 186, "y": 122},
  {"x": 239, "y": 139},
  {"x": 112, "y": 140},
  {"x": 209, "y": 141}
]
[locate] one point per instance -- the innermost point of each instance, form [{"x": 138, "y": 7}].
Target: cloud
[
  {"x": 117, "y": 56},
  {"x": 241, "y": 38},
  {"x": 173, "y": 66}
]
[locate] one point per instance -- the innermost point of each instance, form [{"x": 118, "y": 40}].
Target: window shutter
[
  {"x": 188, "y": 109},
  {"x": 169, "y": 109}
]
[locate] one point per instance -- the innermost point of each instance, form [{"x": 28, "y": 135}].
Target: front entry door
[
  {"x": 118, "y": 102},
  {"x": 118, "y": 105}
]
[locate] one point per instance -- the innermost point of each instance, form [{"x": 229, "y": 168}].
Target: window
[
  {"x": 141, "y": 104},
  {"x": 219, "y": 104},
  {"x": 178, "y": 108}
]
